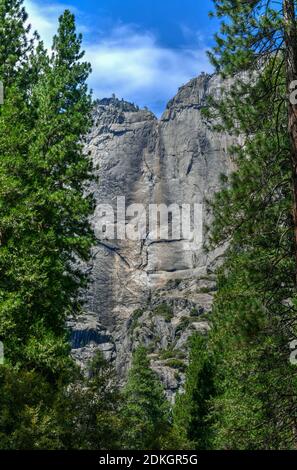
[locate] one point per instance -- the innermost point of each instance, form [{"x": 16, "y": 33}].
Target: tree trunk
[{"x": 290, "y": 37}]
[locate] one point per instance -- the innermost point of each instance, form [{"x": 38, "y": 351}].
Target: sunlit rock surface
[{"x": 150, "y": 292}]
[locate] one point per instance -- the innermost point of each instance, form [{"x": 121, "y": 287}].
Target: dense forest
[{"x": 241, "y": 388}]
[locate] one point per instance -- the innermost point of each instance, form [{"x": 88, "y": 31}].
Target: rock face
[{"x": 151, "y": 291}]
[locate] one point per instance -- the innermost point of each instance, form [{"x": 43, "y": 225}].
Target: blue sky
[{"x": 141, "y": 50}]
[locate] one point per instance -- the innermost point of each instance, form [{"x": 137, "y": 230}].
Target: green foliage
[
  {"x": 136, "y": 315},
  {"x": 191, "y": 411},
  {"x": 255, "y": 383},
  {"x": 166, "y": 354},
  {"x": 82, "y": 413},
  {"x": 44, "y": 230},
  {"x": 145, "y": 412},
  {"x": 164, "y": 310},
  {"x": 253, "y": 405},
  {"x": 87, "y": 411},
  {"x": 44, "y": 213},
  {"x": 45, "y": 401},
  {"x": 183, "y": 325},
  {"x": 240, "y": 390},
  {"x": 15, "y": 47},
  {"x": 204, "y": 290},
  {"x": 176, "y": 363},
  {"x": 26, "y": 402},
  {"x": 171, "y": 353}
]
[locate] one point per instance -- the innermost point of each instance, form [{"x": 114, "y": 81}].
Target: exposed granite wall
[{"x": 152, "y": 292}]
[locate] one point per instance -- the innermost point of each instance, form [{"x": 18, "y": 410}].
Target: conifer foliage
[
  {"x": 145, "y": 410},
  {"x": 191, "y": 417},
  {"x": 240, "y": 389},
  {"x": 254, "y": 403},
  {"x": 44, "y": 230}
]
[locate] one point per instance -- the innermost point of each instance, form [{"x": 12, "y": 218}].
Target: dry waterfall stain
[{"x": 149, "y": 160}]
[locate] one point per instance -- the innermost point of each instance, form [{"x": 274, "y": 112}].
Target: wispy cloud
[
  {"x": 134, "y": 66},
  {"x": 44, "y": 19},
  {"x": 128, "y": 61}
]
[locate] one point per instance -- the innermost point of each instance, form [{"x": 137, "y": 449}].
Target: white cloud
[
  {"x": 129, "y": 62},
  {"x": 44, "y": 19}
]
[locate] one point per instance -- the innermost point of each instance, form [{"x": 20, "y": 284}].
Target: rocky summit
[{"x": 152, "y": 292}]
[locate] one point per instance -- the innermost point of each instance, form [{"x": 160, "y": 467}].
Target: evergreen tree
[
  {"x": 44, "y": 230},
  {"x": 254, "y": 316},
  {"x": 145, "y": 413},
  {"x": 82, "y": 412},
  {"x": 15, "y": 128},
  {"x": 15, "y": 47},
  {"x": 49, "y": 228},
  {"x": 252, "y": 35},
  {"x": 191, "y": 410},
  {"x": 56, "y": 234},
  {"x": 87, "y": 412}
]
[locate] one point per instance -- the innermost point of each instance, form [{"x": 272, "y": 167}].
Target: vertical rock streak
[{"x": 177, "y": 159}]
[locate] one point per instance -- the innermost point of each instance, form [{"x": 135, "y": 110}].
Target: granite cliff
[{"x": 155, "y": 293}]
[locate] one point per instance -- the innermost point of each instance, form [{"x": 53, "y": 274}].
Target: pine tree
[
  {"x": 254, "y": 405},
  {"x": 44, "y": 230},
  {"x": 191, "y": 410},
  {"x": 15, "y": 47},
  {"x": 145, "y": 413},
  {"x": 86, "y": 414},
  {"x": 82, "y": 412},
  {"x": 254, "y": 34},
  {"x": 41, "y": 275},
  {"x": 15, "y": 128}
]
